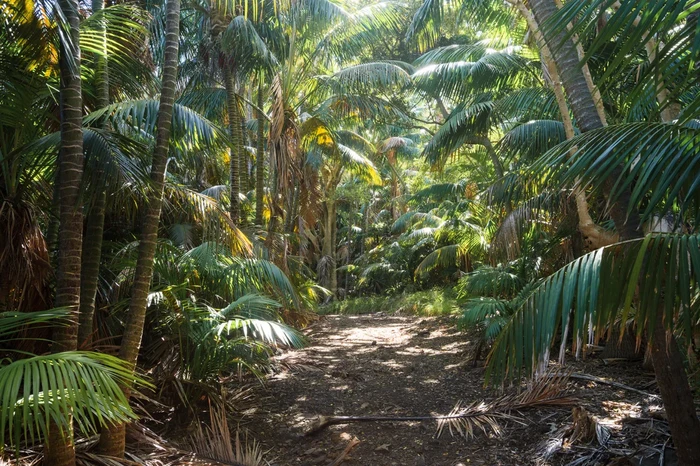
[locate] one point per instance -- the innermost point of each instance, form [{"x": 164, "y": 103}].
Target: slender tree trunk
[
  {"x": 260, "y": 158},
  {"x": 92, "y": 247},
  {"x": 328, "y": 250},
  {"x": 234, "y": 124},
  {"x": 243, "y": 153},
  {"x": 497, "y": 165},
  {"x": 675, "y": 393},
  {"x": 668, "y": 363},
  {"x": 334, "y": 252},
  {"x": 113, "y": 439},
  {"x": 92, "y": 252},
  {"x": 60, "y": 450}
]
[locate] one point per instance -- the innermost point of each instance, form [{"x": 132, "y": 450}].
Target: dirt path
[{"x": 379, "y": 365}]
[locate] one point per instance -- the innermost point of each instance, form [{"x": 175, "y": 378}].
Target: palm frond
[
  {"x": 659, "y": 165},
  {"x": 657, "y": 274},
  {"x": 51, "y": 388}
]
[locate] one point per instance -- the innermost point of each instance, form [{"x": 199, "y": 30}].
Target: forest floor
[{"x": 394, "y": 365}]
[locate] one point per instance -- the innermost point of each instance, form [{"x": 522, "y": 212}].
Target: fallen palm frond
[
  {"x": 545, "y": 391},
  {"x": 215, "y": 442}
]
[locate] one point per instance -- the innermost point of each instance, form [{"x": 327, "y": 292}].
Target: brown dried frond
[
  {"x": 547, "y": 390},
  {"x": 214, "y": 442}
]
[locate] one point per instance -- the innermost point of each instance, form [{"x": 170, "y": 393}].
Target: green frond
[
  {"x": 467, "y": 124},
  {"x": 628, "y": 28},
  {"x": 424, "y": 29},
  {"x": 189, "y": 129},
  {"x": 446, "y": 256},
  {"x": 597, "y": 290},
  {"x": 459, "y": 79},
  {"x": 659, "y": 165},
  {"x": 354, "y": 32},
  {"x": 527, "y": 104},
  {"x": 272, "y": 333},
  {"x": 360, "y": 165},
  {"x": 411, "y": 219},
  {"x": 40, "y": 389},
  {"x": 371, "y": 76},
  {"x": 530, "y": 140},
  {"x": 240, "y": 40},
  {"x": 11, "y": 322},
  {"x": 442, "y": 191}
]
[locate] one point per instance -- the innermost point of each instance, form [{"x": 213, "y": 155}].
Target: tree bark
[
  {"x": 113, "y": 439},
  {"x": 328, "y": 250},
  {"x": 497, "y": 165},
  {"x": 92, "y": 247},
  {"x": 596, "y": 236},
  {"x": 60, "y": 449},
  {"x": 234, "y": 124},
  {"x": 260, "y": 158},
  {"x": 243, "y": 152},
  {"x": 675, "y": 393},
  {"x": 92, "y": 253},
  {"x": 583, "y": 106}
]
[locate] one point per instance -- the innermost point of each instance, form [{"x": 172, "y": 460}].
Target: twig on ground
[
  {"x": 611, "y": 383},
  {"x": 352, "y": 444}
]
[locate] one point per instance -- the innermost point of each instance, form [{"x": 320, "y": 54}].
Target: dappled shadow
[
  {"x": 394, "y": 365},
  {"x": 374, "y": 365}
]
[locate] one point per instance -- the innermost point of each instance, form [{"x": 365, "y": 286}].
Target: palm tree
[
  {"x": 60, "y": 450},
  {"x": 112, "y": 439},
  {"x": 37, "y": 397},
  {"x": 259, "y": 154}
]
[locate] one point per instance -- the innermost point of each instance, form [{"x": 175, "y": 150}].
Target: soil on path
[
  {"x": 393, "y": 365},
  {"x": 377, "y": 365}
]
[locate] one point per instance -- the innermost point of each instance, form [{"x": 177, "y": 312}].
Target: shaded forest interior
[{"x": 301, "y": 232}]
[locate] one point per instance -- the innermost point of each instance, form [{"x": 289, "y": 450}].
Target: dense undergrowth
[{"x": 435, "y": 302}]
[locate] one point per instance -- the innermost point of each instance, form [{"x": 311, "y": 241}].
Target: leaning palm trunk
[
  {"x": 234, "y": 123},
  {"x": 594, "y": 234},
  {"x": 259, "y": 159},
  {"x": 92, "y": 247},
  {"x": 668, "y": 364},
  {"x": 60, "y": 449},
  {"x": 112, "y": 440}
]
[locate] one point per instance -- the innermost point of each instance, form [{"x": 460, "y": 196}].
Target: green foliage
[
  {"x": 599, "y": 289},
  {"x": 435, "y": 302},
  {"x": 80, "y": 387}
]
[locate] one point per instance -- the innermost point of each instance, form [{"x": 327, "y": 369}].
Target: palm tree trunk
[
  {"x": 259, "y": 158},
  {"x": 594, "y": 233},
  {"x": 497, "y": 164},
  {"x": 670, "y": 375},
  {"x": 328, "y": 250},
  {"x": 675, "y": 393},
  {"x": 60, "y": 450},
  {"x": 583, "y": 105},
  {"x": 234, "y": 124},
  {"x": 113, "y": 439},
  {"x": 243, "y": 153},
  {"x": 92, "y": 252},
  {"x": 92, "y": 247}
]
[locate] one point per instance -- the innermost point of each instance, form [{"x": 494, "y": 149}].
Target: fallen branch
[{"x": 546, "y": 391}]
